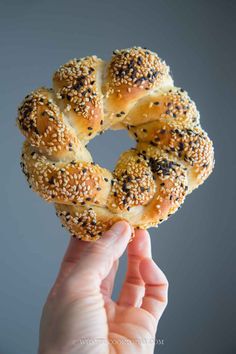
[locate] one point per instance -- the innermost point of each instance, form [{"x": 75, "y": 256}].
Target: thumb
[{"x": 97, "y": 259}]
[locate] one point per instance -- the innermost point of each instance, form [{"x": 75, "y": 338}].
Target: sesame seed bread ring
[{"x": 133, "y": 91}]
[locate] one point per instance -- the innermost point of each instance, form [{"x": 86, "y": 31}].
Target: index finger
[
  {"x": 71, "y": 257},
  {"x": 73, "y": 251}
]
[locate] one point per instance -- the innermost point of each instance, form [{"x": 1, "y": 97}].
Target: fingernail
[{"x": 119, "y": 228}]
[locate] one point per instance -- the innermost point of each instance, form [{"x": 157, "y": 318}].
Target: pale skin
[{"x": 79, "y": 315}]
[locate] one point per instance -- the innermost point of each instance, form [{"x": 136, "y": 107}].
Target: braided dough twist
[{"x": 133, "y": 91}]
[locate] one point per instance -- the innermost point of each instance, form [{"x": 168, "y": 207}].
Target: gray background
[{"x": 195, "y": 247}]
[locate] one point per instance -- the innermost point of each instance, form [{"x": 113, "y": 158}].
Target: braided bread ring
[{"x": 134, "y": 90}]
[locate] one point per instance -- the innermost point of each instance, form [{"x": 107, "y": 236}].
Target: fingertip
[
  {"x": 141, "y": 244},
  {"x": 118, "y": 229},
  {"x": 141, "y": 233}
]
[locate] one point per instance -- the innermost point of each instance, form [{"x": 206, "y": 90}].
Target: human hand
[{"x": 79, "y": 316}]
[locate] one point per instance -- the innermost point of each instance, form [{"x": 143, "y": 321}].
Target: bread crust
[{"x": 133, "y": 91}]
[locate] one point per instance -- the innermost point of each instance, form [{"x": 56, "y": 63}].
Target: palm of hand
[
  {"x": 80, "y": 316},
  {"x": 131, "y": 330}
]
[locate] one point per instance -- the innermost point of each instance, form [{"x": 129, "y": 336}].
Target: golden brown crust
[
  {"x": 130, "y": 75},
  {"x": 167, "y": 105},
  {"x": 44, "y": 126},
  {"x": 74, "y": 182},
  {"x": 134, "y": 91},
  {"x": 78, "y": 91},
  {"x": 86, "y": 223},
  {"x": 191, "y": 147},
  {"x": 133, "y": 183}
]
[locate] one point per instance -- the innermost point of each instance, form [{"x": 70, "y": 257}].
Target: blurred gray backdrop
[{"x": 195, "y": 247}]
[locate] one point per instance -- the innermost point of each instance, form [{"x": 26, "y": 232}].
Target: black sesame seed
[
  {"x": 181, "y": 146},
  {"x": 153, "y": 144},
  {"x": 51, "y": 180},
  {"x": 124, "y": 187}
]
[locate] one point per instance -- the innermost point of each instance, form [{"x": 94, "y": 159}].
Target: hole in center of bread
[{"x": 106, "y": 148}]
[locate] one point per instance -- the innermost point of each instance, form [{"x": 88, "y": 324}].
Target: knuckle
[{"x": 135, "y": 280}]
